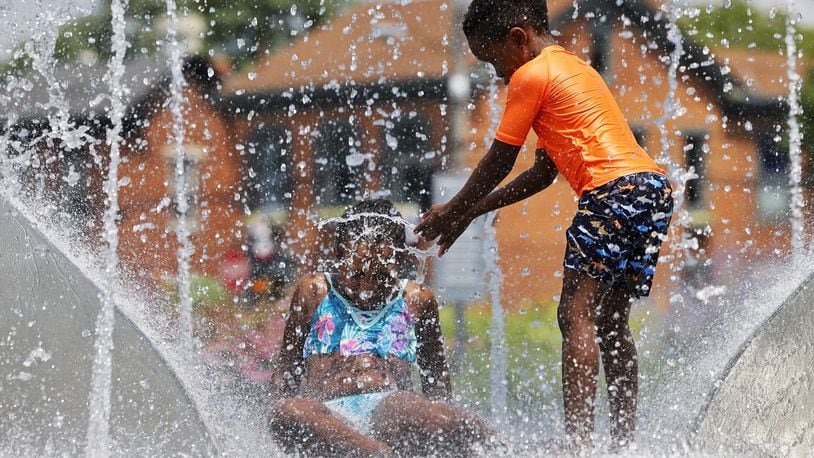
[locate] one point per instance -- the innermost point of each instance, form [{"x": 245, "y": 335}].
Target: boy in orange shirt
[{"x": 625, "y": 203}]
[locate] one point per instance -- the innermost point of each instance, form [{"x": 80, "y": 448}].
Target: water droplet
[{"x": 355, "y": 159}]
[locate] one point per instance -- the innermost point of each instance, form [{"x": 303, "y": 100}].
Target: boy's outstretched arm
[
  {"x": 290, "y": 368},
  {"x": 490, "y": 171},
  {"x": 530, "y": 182},
  {"x": 435, "y": 380}
]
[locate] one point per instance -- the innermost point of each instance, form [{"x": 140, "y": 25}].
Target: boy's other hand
[
  {"x": 432, "y": 222},
  {"x": 451, "y": 232}
]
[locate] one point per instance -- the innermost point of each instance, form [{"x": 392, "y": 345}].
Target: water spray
[
  {"x": 99, "y": 422},
  {"x": 182, "y": 231},
  {"x": 680, "y": 238},
  {"x": 797, "y": 202}
]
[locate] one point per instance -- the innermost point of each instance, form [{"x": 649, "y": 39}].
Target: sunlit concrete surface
[
  {"x": 765, "y": 402},
  {"x": 47, "y": 318}
]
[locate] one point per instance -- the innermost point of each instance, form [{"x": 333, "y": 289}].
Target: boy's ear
[{"x": 518, "y": 35}]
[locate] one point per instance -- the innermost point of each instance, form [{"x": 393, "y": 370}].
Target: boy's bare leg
[
  {"x": 620, "y": 363},
  {"x": 418, "y": 426},
  {"x": 580, "y": 297},
  {"x": 307, "y": 424}
]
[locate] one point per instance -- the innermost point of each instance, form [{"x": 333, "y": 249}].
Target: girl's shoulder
[
  {"x": 413, "y": 289},
  {"x": 419, "y": 298},
  {"x": 312, "y": 289},
  {"x": 315, "y": 283}
]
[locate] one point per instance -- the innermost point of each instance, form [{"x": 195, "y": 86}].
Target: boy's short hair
[
  {"x": 387, "y": 229},
  {"x": 492, "y": 19}
]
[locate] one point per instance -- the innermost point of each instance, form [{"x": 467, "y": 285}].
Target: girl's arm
[
  {"x": 290, "y": 363},
  {"x": 530, "y": 182},
  {"x": 432, "y": 364}
]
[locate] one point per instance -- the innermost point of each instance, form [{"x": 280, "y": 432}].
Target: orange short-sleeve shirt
[{"x": 576, "y": 119}]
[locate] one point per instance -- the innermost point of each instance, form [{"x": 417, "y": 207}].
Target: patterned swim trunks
[{"x": 618, "y": 229}]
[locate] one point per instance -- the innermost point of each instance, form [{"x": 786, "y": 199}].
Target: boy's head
[
  {"x": 370, "y": 239},
  {"x": 500, "y": 31}
]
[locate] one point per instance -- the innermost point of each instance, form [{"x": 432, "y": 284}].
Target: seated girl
[{"x": 351, "y": 339}]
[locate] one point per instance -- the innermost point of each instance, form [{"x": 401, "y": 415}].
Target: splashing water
[
  {"x": 497, "y": 335},
  {"x": 99, "y": 423},
  {"x": 182, "y": 231},
  {"x": 498, "y": 368},
  {"x": 673, "y": 396},
  {"x": 420, "y": 254},
  {"x": 223, "y": 411},
  {"x": 680, "y": 239},
  {"x": 795, "y": 137},
  {"x": 362, "y": 215}
]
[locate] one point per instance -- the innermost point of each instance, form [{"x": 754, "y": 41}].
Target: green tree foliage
[
  {"x": 740, "y": 26},
  {"x": 238, "y": 28}
]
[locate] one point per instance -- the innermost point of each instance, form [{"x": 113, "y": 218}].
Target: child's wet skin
[
  {"x": 368, "y": 327},
  {"x": 369, "y": 266},
  {"x": 371, "y": 263},
  {"x": 335, "y": 375}
]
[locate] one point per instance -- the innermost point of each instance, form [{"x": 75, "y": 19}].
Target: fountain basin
[
  {"x": 48, "y": 316},
  {"x": 765, "y": 401}
]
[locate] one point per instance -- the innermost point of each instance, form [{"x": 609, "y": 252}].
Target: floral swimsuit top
[{"x": 338, "y": 326}]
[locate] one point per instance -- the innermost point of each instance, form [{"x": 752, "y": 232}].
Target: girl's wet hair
[
  {"x": 492, "y": 19},
  {"x": 360, "y": 222}
]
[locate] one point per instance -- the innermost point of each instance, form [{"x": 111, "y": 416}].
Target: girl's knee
[
  {"x": 290, "y": 421},
  {"x": 295, "y": 410},
  {"x": 428, "y": 417},
  {"x": 453, "y": 422},
  {"x": 477, "y": 428}
]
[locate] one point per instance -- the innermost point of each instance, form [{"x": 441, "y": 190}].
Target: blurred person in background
[{"x": 272, "y": 267}]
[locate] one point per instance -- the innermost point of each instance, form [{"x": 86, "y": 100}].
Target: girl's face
[{"x": 370, "y": 261}]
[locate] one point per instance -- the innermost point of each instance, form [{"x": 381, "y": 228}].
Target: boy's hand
[
  {"x": 452, "y": 231},
  {"x": 432, "y": 222},
  {"x": 438, "y": 222}
]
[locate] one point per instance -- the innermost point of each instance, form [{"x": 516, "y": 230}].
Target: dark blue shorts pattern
[{"x": 618, "y": 229}]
